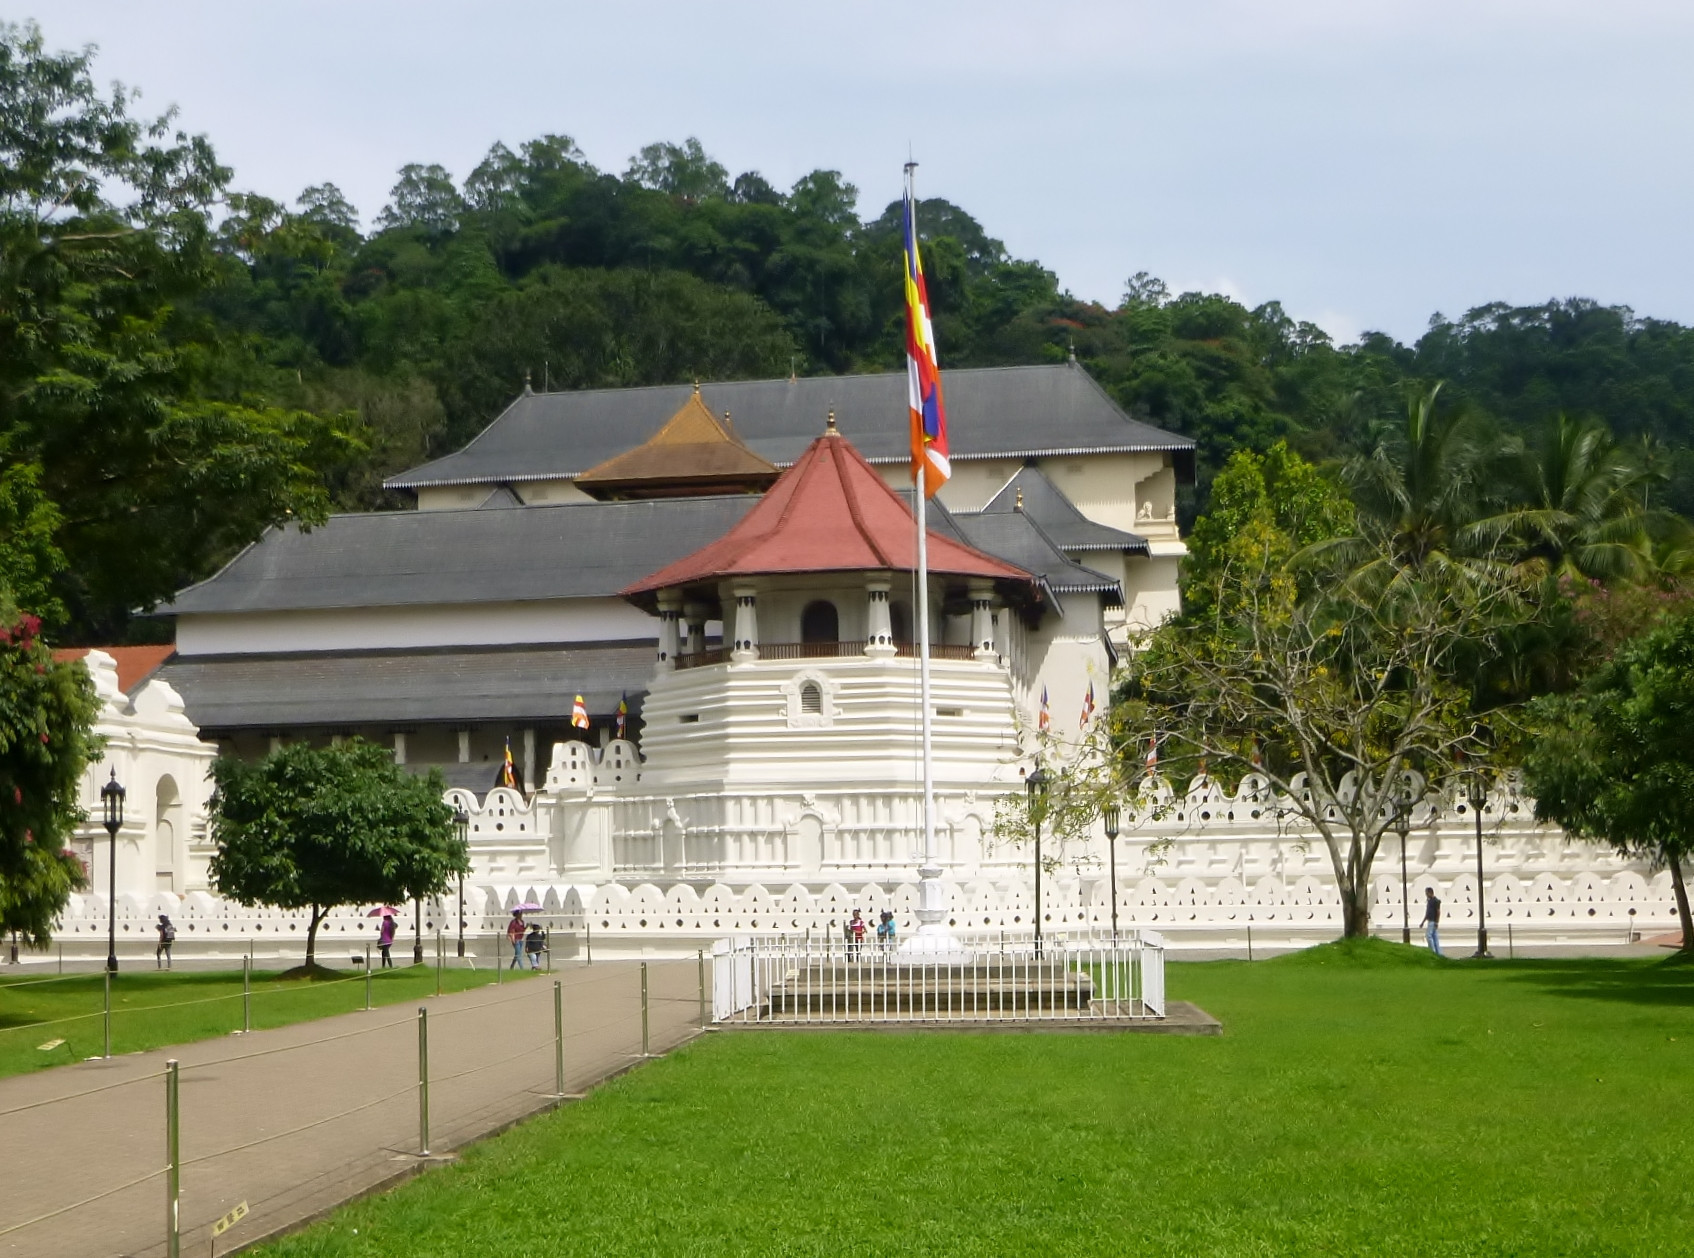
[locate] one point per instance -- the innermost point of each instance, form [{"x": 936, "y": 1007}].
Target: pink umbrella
[
  {"x": 528, "y": 906},
  {"x": 383, "y": 909}
]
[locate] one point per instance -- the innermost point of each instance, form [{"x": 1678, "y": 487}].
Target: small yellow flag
[{"x": 230, "y": 1220}]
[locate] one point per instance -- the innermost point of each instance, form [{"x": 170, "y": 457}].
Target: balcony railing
[{"x": 821, "y": 651}]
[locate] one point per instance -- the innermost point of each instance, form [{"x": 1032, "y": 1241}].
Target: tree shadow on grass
[{"x": 1667, "y": 982}]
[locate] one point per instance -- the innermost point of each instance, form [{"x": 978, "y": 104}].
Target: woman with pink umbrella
[{"x": 385, "y": 936}]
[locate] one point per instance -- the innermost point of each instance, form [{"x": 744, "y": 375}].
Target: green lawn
[
  {"x": 203, "y": 1004},
  {"x": 1377, "y": 1103}
]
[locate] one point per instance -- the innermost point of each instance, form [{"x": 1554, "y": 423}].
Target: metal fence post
[
  {"x": 439, "y": 961},
  {"x": 108, "y": 1018},
  {"x": 367, "y": 978},
  {"x": 700, "y": 961},
  {"x": 423, "y": 1082},
  {"x": 644, "y": 1039},
  {"x": 246, "y": 996},
  {"x": 173, "y": 1163},
  {"x": 1249, "y": 943},
  {"x": 558, "y": 1038}
]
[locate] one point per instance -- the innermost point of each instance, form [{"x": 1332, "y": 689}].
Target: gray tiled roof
[
  {"x": 1019, "y": 540},
  {"x": 532, "y": 683},
  {"x": 479, "y": 555},
  {"x": 992, "y": 412},
  {"x": 1058, "y": 516}
]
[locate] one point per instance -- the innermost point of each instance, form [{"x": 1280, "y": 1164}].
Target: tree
[
  {"x": 683, "y": 170},
  {"x": 1336, "y": 700},
  {"x": 47, "y": 714},
  {"x": 107, "y": 396},
  {"x": 316, "y": 828},
  {"x": 424, "y": 197},
  {"x": 1613, "y": 761}
]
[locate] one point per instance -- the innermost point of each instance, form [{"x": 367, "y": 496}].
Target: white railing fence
[{"x": 978, "y": 978}]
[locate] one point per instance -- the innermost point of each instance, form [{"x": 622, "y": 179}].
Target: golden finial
[
  {"x": 728, "y": 423},
  {"x": 696, "y": 386},
  {"x": 830, "y": 426},
  {"x": 1020, "y": 498}
]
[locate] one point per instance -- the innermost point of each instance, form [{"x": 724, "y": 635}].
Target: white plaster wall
[{"x": 363, "y": 628}]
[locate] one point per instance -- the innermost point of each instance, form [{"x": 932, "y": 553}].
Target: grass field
[
  {"x": 36, "y": 1011},
  {"x": 1369, "y": 1101}
]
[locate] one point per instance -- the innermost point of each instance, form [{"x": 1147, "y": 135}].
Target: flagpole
[{"x": 932, "y": 911}]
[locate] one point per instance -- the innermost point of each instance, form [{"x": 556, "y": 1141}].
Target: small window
[
  {"x": 811, "y": 698},
  {"x": 819, "y": 623}
]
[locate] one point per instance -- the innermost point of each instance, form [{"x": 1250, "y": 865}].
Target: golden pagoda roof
[{"x": 694, "y": 452}]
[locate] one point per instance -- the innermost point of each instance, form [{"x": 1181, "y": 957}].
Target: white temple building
[{"x": 739, "y": 572}]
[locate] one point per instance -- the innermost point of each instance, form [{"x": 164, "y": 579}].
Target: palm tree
[{"x": 1578, "y": 507}]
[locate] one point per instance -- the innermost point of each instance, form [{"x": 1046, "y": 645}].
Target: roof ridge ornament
[
  {"x": 1019, "y": 505},
  {"x": 528, "y": 388},
  {"x": 829, "y": 425}
]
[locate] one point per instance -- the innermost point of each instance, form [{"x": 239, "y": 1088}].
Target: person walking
[
  {"x": 535, "y": 943},
  {"x": 385, "y": 940},
  {"x": 1431, "y": 920},
  {"x": 167, "y": 937},
  {"x": 514, "y": 936}
]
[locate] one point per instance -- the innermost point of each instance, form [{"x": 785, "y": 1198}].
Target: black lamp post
[
  {"x": 1036, "y": 785},
  {"x": 417, "y": 930},
  {"x": 1478, "y": 797},
  {"x": 112, "y": 796},
  {"x": 1109, "y": 815},
  {"x": 461, "y": 829}
]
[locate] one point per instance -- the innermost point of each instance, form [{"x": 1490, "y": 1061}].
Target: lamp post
[
  {"x": 1109, "y": 815},
  {"x": 417, "y": 930},
  {"x": 1478, "y": 797},
  {"x": 112, "y": 797},
  {"x": 461, "y": 830},
  {"x": 1036, "y": 785}
]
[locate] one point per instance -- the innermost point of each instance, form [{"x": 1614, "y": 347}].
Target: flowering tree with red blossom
[{"x": 47, "y": 713}]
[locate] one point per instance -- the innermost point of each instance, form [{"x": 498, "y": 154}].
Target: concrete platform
[{"x": 1181, "y": 1018}]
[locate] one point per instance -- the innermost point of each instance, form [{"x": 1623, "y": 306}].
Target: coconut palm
[{"x": 1578, "y": 507}]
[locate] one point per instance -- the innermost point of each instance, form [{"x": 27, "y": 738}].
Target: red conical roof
[{"x": 830, "y": 512}]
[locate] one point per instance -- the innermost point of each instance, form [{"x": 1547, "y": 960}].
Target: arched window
[
  {"x": 900, "y": 620},
  {"x": 811, "y": 698},
  {"x": 820, "y": 623}
]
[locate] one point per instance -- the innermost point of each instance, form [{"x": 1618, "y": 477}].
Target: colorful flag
[
  {"x": 1153, "y": 753},
  {"x": 923, "y": 373},
  {"x": 579, "y": 714},
  {"x": 1046, "y": 719},
  {"x": 1088, "y": 706},
  {"x": 623, "y": 713},
  {"x": 508, "y": 774}
]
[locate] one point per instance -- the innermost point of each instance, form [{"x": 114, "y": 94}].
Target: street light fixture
[
  {"x": 1109, "y": 815},
  {"x": 1479, "y": 797},
  {"x": 112, "y": 797},
  {"x": 461, "y": 831},
  {"x": 1036, "y": 785}
]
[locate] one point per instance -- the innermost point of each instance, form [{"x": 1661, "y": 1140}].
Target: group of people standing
[{"x": 858, "y": 929}]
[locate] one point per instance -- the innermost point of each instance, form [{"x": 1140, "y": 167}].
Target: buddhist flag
[
  {"x": 1153, "y": 754},
  {"x": 1088, "y": 706},
  {"x": 508, "y": 775},
  {"x": 623, "y": 713},
  {"x": 923, "y": 372},
  {"x": 579, "y": 714},
  {"x": 1046, "y": 719}
]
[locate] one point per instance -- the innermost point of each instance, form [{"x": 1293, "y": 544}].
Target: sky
[{"x": 1365, "y": 162}]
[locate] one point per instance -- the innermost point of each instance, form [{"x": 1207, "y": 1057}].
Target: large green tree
[
  {"x": 1613, "y": 762},
  {"x": 316, "y": 828},
  {"x": 47, "y": 714},
  {"x": 108, "y": 396}
]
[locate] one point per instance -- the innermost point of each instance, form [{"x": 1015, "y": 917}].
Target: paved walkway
[{"x": 299, "y": 1119}]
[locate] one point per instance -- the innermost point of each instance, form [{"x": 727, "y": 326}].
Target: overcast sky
[{"x": 1366, "y": 162}]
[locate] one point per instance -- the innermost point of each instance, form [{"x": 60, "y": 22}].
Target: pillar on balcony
[
  {"x": 982, "y": 620},
  {"x": 746, "y": 646},
  {"x": 670, "y": 630},
  {"x": 879, "y": 628},
  {"x": 694, "y": 616}
]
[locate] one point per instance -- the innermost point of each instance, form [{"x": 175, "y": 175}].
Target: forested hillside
[{"x": 182, "y": 362}]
